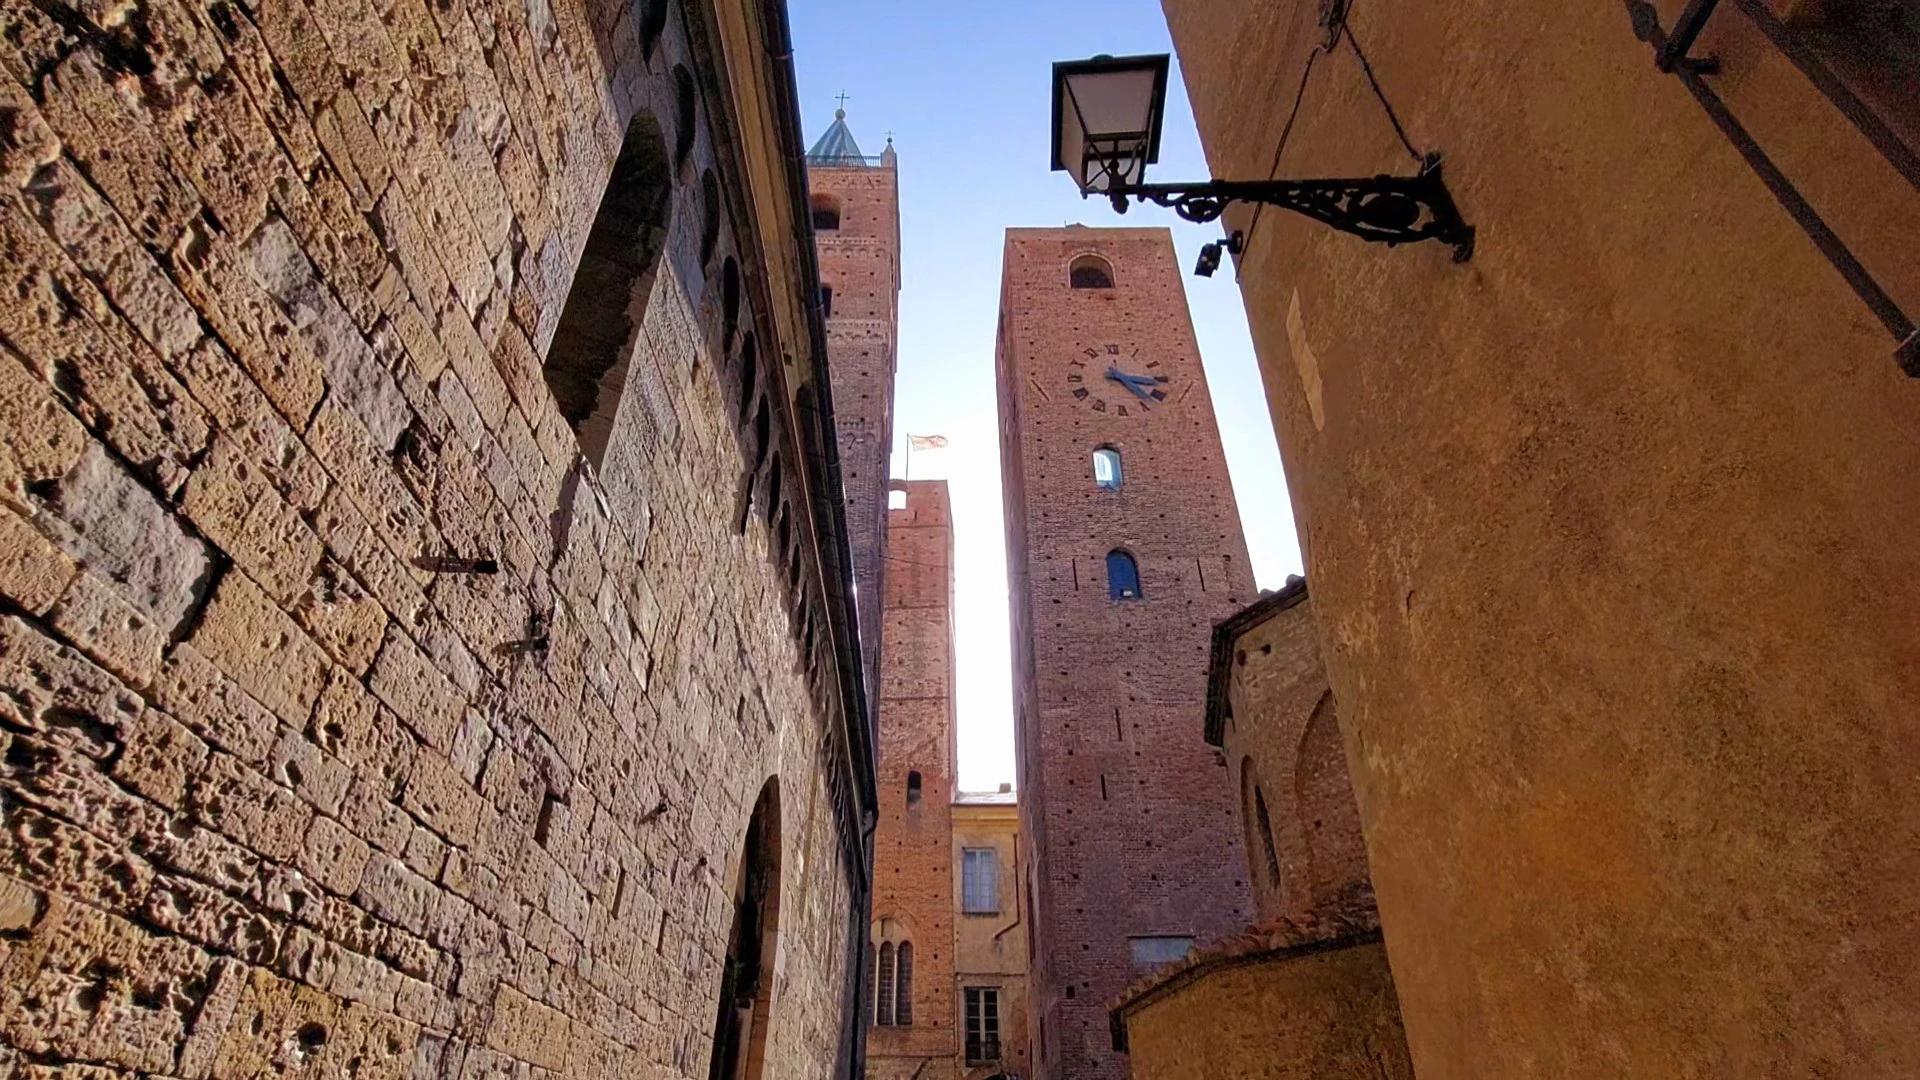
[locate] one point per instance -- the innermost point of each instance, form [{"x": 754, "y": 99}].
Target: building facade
[
  {"x": 426, "y": 646},
  {"x": 855, "y": 206},
  {"x": 1305, "y": 991},
  {"x": 1123, "y": 548},
  {"x": 1610, "y": 528},
  {"x": 991, "y": 948},
  {"x": 911, "y": 939}
]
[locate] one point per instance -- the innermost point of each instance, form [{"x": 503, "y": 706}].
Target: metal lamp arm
[{"x": 1382, "y": 209}]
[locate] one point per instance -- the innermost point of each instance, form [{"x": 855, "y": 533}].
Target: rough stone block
[
  {"x": 159, "y": 757},
  {"x": 113, "y": 632},
  {"x": 33, "y": 572},
  {"x": 102, "y": 516},
  {"x": 254, "y": 642},
  {"x": 408, "y": 682}
]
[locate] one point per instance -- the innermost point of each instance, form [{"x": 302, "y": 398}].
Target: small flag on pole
[{"x": 926, "y": 442}]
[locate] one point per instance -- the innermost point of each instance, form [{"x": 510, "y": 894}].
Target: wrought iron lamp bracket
[{"x": 1383, "y": 209}]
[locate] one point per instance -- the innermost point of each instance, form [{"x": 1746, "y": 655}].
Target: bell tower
[
  {"x": 855, "y": 203},
  {"x": 1123, "y": 548}
]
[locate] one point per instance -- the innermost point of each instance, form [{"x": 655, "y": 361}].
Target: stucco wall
[
  {"x": 1610, "y": 533},
  {"x": 990, "y": 950},
  {"x": 1317, "y": 1015},
  {"x": 277, "y": 799}
]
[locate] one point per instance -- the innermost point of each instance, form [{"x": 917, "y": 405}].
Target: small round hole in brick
[{"x": 310, "y": 1038}]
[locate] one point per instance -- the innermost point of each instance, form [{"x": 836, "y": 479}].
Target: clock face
[{"x": 1118, "y": 382}]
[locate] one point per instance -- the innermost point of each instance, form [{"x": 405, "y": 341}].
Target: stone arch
[
  {"x": 1323, "y": 794},
  {"x": 586, "y": 364},
  {"x": 1090, "y": 271},
  {"x": 745, "y": 1008}
]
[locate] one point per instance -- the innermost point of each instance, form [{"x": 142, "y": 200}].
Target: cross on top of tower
[{"x": 841, "y": 112}]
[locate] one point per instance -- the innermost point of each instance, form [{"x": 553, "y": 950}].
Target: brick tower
[
  {"x": 1123, "y": 547},
  {"x": 914, "y": 1013},
  {"x": 856, "y": 228}
]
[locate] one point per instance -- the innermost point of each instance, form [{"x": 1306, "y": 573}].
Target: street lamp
[{"x": 1107, "y": 113}]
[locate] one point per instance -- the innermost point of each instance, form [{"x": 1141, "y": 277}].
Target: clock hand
[{"x": 1138, "y": 384}]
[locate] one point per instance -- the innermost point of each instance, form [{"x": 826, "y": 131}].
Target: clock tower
[{"x": 1123, "y": 548}]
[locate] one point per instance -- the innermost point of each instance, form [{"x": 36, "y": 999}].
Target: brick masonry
[
  {"x": 913, "y": 897},
  {"x": 276, "y": 798},
  {"x": 1128, "y": 820},
  {"x": 860, "y": 264}
]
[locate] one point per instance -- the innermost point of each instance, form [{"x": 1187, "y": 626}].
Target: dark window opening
[
  {"x": 762, "y": 422},
  {"x": 983, "y": 1024},
  {"x": 683, "y": 113},
  {"x": 710, "y": 216},
  {"x": 729, "y": 303},
  {"x": 913, "y": 787},
  {"x": 826, "y": 301},
  {"x": 1123, "y": 576},
  {"x": 883, "y": 988},
  {"x": 1090, "y": 272},
  {"x": 586, "y": 366},
  {"x": 826, "y": 213},
  {"x": 1266, "y": 836},
  {"x": 653, "y": 23},
  {"x": 903, "y": 987},
  {"x": 745, "y": 1008}
]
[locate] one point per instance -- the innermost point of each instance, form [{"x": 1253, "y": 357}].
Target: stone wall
[
  {"x": 1281, "y": 735},
  {"x": 1610, "y": 531},
  {"x": 1127, "y": 819},
  {"x": 1306, "y": 1001},
  {"x": 291, "y": 783},
  {"x": 913, "y": 898}
]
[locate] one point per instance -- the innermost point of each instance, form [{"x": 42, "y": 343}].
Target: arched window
[
  {"x": 586, "y": 366},
  {"x": 913, "y": 787},
  {"x": 653, "y": 22},
  {"x": 710, "y": 216},
  {"x": 745, "y": 1010},
  {"x": 883, "y": 988},
  {"x": 1106, "y": 469},
  {"x": 903, "y": 986},
  {"x": 729, "y": 302},
  {"x": 1090, "y": 272},
  {"x": 684, "y": 105},
  {"x": 826, "y": 213},
  {"x": 1266, "y": 835},
  {"x": 1123, "y": 576}
]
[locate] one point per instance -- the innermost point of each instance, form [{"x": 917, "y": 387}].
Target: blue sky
[{"x": 964, "y": 88}]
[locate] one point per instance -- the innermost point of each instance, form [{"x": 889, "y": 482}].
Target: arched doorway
[{"x": 746, "y": 979}]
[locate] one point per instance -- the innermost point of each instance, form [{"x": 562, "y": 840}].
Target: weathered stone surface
[
  {"x": 102, "y": 516},
  {"x": 32, "y": 570},
  {"x": 280, "y": 791}
]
